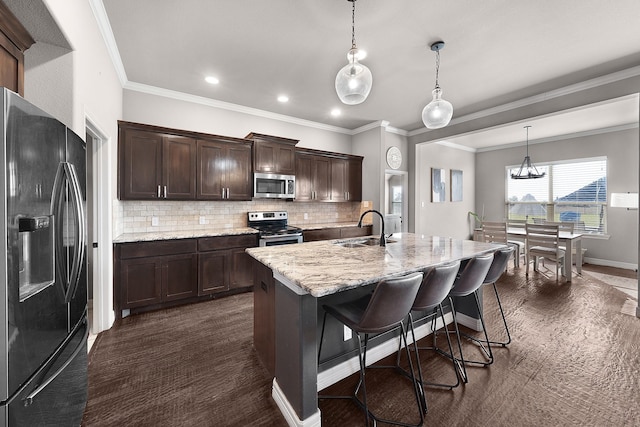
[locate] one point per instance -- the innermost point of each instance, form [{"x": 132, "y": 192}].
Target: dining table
[{"x": 570, "y": 240}]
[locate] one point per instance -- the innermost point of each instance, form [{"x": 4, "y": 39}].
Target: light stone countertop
[
  {"x": 323, "y": 268},
  {"x": 182, "y": 234}
]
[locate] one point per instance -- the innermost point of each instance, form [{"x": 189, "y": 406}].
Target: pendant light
[
  {"x": 527, "y": 169},
  {"x": 354, "y": 80},
  {"x": 437, "y": 114}
]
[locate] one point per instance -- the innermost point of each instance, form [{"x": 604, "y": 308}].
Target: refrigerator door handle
[
  {"x": 67, "y": 173},
  {"x": 29, "y": 399}
]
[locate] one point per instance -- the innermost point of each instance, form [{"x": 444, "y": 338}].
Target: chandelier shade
[
  {"x": 437, "y": 114},
  {"x": 527, "y": 169},
  {"x": 354, "y": 80}
]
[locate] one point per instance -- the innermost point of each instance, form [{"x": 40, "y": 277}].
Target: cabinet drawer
[
  {"x": 355, "y": 231},
  {"x": 322, "y": 234},
  {"x": 158, "y": 248},
  {"x": 226, "y": 242}
]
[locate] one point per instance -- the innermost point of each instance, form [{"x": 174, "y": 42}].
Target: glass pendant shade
[
  {"x": 353, "y": 81},
  {"x": 437, "y": 114}
]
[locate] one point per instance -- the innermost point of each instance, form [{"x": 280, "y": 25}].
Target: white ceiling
[{"x": 497, "y": 51}]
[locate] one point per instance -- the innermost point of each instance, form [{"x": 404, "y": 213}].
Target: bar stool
[
  {"x": 497, "y": 269},
  {"x": 382, "y": 311},
  {"x": 435, "y": 288},
  {"x": 467, "y": 283}
]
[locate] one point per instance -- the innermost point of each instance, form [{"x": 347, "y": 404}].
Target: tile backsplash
[{"x": 140, "y": 216}]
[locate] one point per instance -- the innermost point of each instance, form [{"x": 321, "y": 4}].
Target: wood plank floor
[{"x": 573, "y": 362}]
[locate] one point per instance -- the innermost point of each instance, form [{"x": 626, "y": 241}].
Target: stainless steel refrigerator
[{"x": 43, "y": 284}]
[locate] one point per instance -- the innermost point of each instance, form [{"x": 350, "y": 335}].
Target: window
[{"x": 572, "y": 191}]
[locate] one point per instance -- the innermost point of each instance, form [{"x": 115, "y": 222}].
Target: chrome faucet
[{"x": 383, "y": 240}]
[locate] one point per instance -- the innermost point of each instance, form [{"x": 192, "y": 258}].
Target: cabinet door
[
  {"x": 322, "y": 178},
  {"x": 179, "y": 278},
  {"x": 140, "y": 165},
  {"x": 179, "y": 168},
  {"x": 213, "y": 272},
  {"x": 239, "y": 182},
  {"x": 264, "y": 332},
  {"x": 210, "y": 170},
  {"x": 241, "y": 270},
  {"x": 141, "y": 282},
  {"x": 354, "y": 179},
  {"x": 304, "y": 177},
  {"x": 338, "y": 180},
  {"x": 273, "y": 157}
]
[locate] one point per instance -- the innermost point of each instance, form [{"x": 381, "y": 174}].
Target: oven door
[{"x": 282, "y": 239}]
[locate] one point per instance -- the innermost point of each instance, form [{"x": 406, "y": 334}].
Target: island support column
[{"x": 295, "y": 384}]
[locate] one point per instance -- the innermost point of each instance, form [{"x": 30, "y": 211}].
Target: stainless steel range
[{"x": 274, "y": 229}]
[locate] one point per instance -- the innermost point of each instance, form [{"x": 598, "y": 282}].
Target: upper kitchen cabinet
[
  {"x": 224, "y": 169},
  {"x": 14, "y": 40},
  {"x": 328, "y": 177},
  {"x": 154, "y": 164},
  {"x": 273, "y": 154}
]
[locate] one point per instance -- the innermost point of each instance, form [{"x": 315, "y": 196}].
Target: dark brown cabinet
[
  {"x": 327, "y": 177},
  {"x": 155, "y": 165},
  {"x": 151, "y": 273},
  {"x": 273, "y": 154},
  {"x": 264, "y": 323},
  {"x": 14, "y": 41},
  {"x": 313, "y": 177},
  {"x": 223, "y": 171},
  {"x": 331, "y": 233},
  {"x": 223, "y": 264}
]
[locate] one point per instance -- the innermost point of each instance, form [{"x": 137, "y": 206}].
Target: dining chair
[
  {"x": 382, "y": 311},
  {"x": 496, "y": 232},
  {"x": 543, "y": 241}
]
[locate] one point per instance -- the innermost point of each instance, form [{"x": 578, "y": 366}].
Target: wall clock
[{"x": 394, "y": 157}]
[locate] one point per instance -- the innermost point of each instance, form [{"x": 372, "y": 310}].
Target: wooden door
[
  {"x": 179, "y": 277},
  {"x": 304, "y": 178},
  {"x": 338, "y": 180},
  {"x": 241, "y": 269},
  {"x": 238, "y": 179},
  {"x": 213, "y": 268},
  {"x": 140, "y": 165},
  {"x": 141, "y": 281},
  {"x": 179, "y": 168},
  {"x": 274, "y": 157},
  {"x": 211, "y": 173},
  {"x": 354, "y": 180},
  {"x": 322, "y": 178}
]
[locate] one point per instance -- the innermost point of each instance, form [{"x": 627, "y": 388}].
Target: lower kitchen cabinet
[
  {"x": 331, "y": 233},
  {"x": 264, "y": 322},
  {"x": 152, "y": 275}
]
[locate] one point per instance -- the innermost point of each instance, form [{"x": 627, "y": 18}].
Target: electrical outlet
[
  {"x": 306, "y": 215},
  {"x": 347, "y": 333},
  {"x": 366, "y": 204},
  {"x": 422, "y": 204},
  {"x": 155, "y": 221},
  {"x": 202, "y": 220}
]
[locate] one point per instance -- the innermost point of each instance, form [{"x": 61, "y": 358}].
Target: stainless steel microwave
[{"x": 274, "y": 186}]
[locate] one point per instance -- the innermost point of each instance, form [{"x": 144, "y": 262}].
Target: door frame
[
  {"x": 405, "y": 195},
  {"x": 103, "y": 314}
]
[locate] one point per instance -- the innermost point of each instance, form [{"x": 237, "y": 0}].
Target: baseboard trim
[
  {"x": 352, "y": 365},
  {"x": 289, "y": 413},
  {"x": 468, "y": 321},
  {"x": 610, "y": 263}
]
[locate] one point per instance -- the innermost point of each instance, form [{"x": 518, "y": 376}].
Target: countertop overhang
[{"x": 324, "y": 267}]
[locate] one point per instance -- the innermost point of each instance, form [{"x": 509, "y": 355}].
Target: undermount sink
[{"x": 360, "y": 243}]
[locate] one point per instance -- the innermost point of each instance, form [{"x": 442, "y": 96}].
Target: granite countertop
[
  {"x": 183, "y": 234},
  {"x": 324, "y": 267}
]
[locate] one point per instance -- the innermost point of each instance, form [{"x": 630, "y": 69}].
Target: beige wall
[
  {"x": 443, "y": 218},
  {"x": 621, "y": 150}
]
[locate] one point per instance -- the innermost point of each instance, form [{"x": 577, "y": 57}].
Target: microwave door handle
[{"x": 80, "y": 231}]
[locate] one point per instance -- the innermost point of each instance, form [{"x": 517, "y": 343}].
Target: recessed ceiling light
[
  {"x": 212, "y": 80},
  {"x": 336, "y": 112},
  {"x": 283, "y": 98}
]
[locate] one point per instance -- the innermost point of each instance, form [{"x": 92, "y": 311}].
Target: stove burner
[{"x": 272, "y": 224}]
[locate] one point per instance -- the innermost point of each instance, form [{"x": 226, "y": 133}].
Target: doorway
[{"x": 396, "y": 184}]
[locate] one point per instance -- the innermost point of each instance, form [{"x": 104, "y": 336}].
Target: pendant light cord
[
  {"x": 437, "y": 67},
  {"x": 527, "y": 128},
  {"x": 353, "y": 25}
]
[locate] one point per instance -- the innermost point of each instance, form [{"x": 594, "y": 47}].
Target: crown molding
[{"x": 109, "y": 40}]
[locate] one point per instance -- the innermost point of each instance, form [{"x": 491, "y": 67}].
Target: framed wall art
[
  {"x": 456, "y": 185},
  {"x": 438, "y": 185}
]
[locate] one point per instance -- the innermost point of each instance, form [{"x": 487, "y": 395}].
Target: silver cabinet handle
[
  {"x": 223, "y": 192},
  {"x": 227, "y": 192},
  {"x": 158, "y": 191},
  {"x": 164, "y": 192}
]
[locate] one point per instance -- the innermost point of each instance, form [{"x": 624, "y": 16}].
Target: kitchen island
[{"x": 291, "y": 284}]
